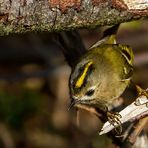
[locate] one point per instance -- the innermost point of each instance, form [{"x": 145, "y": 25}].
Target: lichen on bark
[{"x": 20, "y": 16}]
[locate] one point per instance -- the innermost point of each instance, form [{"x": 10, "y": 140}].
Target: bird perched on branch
[{"x": 101, "y": 75}]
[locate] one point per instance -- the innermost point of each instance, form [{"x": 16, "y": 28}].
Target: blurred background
[{"x": 34, "y": 91}]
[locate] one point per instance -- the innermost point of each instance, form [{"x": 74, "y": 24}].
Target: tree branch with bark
[{"x": 20, "y": 16}]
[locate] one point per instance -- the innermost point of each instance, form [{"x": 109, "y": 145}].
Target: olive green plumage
[{"x": 102, "y": 74}]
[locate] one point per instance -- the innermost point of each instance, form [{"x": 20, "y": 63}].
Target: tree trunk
[{"x": 20, "y": 16}]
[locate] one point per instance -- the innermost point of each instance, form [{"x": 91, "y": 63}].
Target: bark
[{"x": 20, "y": 16}]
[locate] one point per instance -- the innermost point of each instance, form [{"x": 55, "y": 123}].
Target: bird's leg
[
  {"x": 140, "y": 93},
  {"x": 114, "y": 119}
]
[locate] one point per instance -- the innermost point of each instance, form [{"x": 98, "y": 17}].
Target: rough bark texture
[{"x": 19, "y": 16}]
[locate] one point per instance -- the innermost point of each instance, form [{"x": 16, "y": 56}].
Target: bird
[{"x": 101, "y": 75}]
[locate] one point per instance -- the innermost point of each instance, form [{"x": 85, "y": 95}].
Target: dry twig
[
  {"x": 89, "y": 109},
  {"x": 134, "y": 111},
  {"x": 78, "y": 117},
  {"x": 139, "y": 127}
]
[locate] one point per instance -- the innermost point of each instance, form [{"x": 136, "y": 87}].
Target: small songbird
[{"x": 101, "y": 75}]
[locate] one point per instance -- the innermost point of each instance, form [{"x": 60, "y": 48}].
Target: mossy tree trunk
[{"x": 20, "y": 16}]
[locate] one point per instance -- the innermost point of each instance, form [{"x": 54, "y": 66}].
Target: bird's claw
[
  {"x": 114, "y": 119},
  {"x": 140, "y": 93}
]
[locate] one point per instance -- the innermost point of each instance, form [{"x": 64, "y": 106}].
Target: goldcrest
[{"x": 102, "y": 74}]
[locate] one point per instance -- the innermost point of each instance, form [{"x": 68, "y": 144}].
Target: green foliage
[{"x": 14, "y": 109}]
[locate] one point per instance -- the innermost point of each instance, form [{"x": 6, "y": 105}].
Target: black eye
[{"x": 90, "y": 92}]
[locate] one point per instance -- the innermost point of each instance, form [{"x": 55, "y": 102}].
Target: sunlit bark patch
[{"x": 63, "y": 5}]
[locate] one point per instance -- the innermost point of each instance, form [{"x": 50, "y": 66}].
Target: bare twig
[
  {"x": 78, "y": 117},
  {"x": 139, "y": 127},
  {"x": 132, "y": 112},
  {"x": 141, "y": 141},
  {"x": 89, "y": 109}
]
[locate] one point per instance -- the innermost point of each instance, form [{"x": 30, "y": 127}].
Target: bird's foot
[
  {"x": 141, "y": 92},
  {"x": 114, "y": 119}
]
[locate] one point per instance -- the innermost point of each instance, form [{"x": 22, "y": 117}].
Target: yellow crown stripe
[{"x": 80, "y": 81}]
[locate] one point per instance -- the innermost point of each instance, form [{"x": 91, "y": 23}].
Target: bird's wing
[{"x": 128, "y": 56}]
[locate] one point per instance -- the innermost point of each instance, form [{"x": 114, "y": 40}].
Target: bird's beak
[{"x": 72, "y": 103}]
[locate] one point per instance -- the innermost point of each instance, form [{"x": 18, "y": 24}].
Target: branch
[
  {"x": 139, "y": 127},
  {"x": 20, "y": 16},
  {"x": 134, "y": 111},
  {"x": 89, "y": 109}
]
